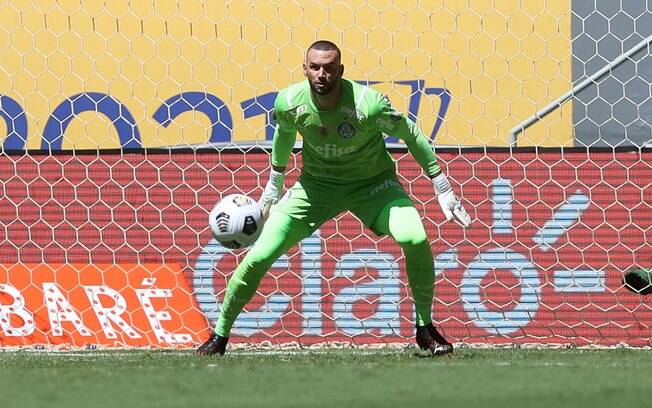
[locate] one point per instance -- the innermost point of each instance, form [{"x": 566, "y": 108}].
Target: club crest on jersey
[{"x": 346, "y": 130}]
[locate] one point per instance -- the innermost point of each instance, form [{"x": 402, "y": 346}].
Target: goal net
[{"x": 124, "y": 123}]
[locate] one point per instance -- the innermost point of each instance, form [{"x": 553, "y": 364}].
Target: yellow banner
[{"x": 98, "y": 74}]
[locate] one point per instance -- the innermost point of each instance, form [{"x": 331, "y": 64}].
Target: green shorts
[{"x": 315, "y": 201}]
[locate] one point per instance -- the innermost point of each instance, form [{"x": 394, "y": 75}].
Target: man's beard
[{"x": 325, "y": 90}]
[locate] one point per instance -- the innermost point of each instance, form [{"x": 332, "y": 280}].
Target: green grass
[{"x": 342, "y": 378}]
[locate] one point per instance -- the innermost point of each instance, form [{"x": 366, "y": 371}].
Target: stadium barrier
[{"x": 113, "y": 249}]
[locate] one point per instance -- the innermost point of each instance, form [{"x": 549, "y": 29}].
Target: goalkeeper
[{"x": 346, "y": 166}]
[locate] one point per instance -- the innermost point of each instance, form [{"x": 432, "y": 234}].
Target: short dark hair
[{"x": 325, "y": 45}]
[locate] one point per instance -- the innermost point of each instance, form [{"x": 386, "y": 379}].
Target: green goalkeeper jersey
[{"x": 345, "y": 144}]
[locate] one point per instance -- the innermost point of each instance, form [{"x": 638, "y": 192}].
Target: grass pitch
[{"x": 338, "y": 378}]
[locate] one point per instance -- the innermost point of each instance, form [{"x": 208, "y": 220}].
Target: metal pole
[{"x": 513, "y": 133}]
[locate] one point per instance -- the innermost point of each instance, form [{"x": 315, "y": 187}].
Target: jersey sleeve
[
  {"x": 393, "y": 122},
  {"x": 285, "y": 134}
]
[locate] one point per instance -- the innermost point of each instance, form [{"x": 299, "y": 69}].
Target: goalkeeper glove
[
  {"x": 450, "y": 204},
  {"x": 272, "y": 192}
]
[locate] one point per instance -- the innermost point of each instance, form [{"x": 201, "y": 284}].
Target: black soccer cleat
[
  {"x": 214, "y": 345},
  {"x": 428, "y": 338}
]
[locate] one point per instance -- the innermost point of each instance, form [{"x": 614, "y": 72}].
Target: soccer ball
[{"x": 235, "y": 221}]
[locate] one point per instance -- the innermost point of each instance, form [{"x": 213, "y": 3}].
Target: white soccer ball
[{"x": 236, "y": 221}]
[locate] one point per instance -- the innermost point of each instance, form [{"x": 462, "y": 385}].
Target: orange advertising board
[{"x": 86, "y": 305}]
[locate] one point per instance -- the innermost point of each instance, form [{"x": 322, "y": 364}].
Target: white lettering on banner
[
  {"x": 252, "y": 321},
  {"x": 106, "y": 315},
  {"x": 155, "y": 317},
  {"x": 445, "y": 261},
  {"x": 502, "y": 206},
  {"x": 249, "y": 322},
  {"x": 579, "y": 280},
  {"x": 563, "y": 218},
  {"x": 387, "y": 286},
  {"x": 16, "y": 308},
  {"x": 507, "y": 322},
  {"x": 60, "y": 310},
  {"x": 387, "y": 317},
  {"x": 311, "y": 281}
]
